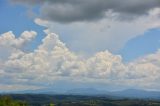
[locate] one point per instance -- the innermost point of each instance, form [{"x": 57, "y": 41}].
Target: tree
[
  {"x": 51, "y": 104},
  {"x": 8, "y": 101}
]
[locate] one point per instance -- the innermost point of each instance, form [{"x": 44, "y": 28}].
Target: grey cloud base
[{"x": 65, "y": 11}]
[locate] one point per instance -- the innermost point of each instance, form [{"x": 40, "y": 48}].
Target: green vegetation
[
  {"x": 51, "y": 104},
  {"x": 71, "y": 100},
  {"x": 8, "y": 101}
]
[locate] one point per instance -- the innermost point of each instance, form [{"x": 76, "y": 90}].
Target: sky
[{"x": 59, "y": 44}]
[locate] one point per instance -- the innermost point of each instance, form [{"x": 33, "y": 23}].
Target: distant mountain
[
  {"x": 129, "y": 93},
  {"x": 135, "y": 93},
  {"x": 37, "y": 91},
  {"x": 85, "y": 91}
]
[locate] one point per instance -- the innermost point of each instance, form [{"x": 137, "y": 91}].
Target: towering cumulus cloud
[{"x": 53, "y": 61}]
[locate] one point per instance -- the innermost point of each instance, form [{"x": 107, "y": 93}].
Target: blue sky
[
  {"x": 145, "y": 44},
  {"x": 112, "y": 43},
  {"x": 15, "y": 18}
]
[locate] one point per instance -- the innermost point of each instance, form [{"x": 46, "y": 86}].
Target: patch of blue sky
[
  {"x": 142, "y": 45},
  {"x": 14, "y": 18}
]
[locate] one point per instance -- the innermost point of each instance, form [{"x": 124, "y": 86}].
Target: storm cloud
[{"x": 88, "y": 10}]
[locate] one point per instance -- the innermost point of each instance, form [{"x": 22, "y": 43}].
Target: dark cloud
[{"x": 88, "y": 10}]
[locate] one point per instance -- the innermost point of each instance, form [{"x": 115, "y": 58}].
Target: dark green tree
[{"x": 8, "y": 101}]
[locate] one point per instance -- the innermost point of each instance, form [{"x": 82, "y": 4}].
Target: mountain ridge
[{"x": 127, "y": 93}]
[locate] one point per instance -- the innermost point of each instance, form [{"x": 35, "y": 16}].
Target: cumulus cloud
[
  {"x": 10, "y": 40},
  {"x": 91, "y": 37},
  {"x": 98, "y": 22},
  {"x": 53, "y": 61},
  {"x": 10, "y": 44},
  {"x": 88, "y": 10}
]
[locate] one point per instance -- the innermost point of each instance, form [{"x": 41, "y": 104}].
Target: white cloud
[
  {"x": 105, "y": 34},
  {"x": 9, "y": 38},
  {"x": 15, "y": 87},
  {"x": 53, "y": 61},
  {"x": 10, "y": 44}
]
